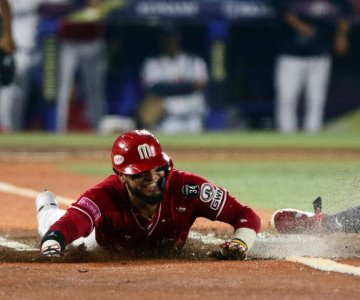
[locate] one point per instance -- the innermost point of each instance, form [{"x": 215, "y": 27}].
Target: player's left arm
[
  {"x": 6, "y": 40},
  {"x": 341, "y": 41},
  {"x": 215, "y": 203},
  {"x": 246, "y": 225},
  {"x": 343, "y": 26}
]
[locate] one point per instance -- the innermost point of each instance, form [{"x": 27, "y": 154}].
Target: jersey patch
[
  {"x": 206, "y": 192},
  {"x": 212, "y": 194},
  {"x": 190, "y": 190},
  {"x": 91, "y": 207}
]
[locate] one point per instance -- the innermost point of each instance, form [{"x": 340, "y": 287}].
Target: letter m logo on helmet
[
  {"x": 145, "y": 151},
  {"x": 137, "y": 151}
]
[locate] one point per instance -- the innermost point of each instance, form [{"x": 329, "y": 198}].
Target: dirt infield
[{"x": 24, "y": 275}]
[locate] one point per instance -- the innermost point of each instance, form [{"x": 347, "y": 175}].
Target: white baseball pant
[{"x": 292, "y": 76}]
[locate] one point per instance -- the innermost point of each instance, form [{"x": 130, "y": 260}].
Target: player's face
[{"x": 146, "y": 185}]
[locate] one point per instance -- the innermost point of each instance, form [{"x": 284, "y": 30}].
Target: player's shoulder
[
  {"x": 182, "y": 175},
  {"x": 153, "y": 60},
  {"x": 192, "y": 186},
  {"x": 185, "y": 181},
  {"x": 107, "y": 191}
]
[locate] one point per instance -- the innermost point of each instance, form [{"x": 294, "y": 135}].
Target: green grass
[
  {"x": 236, "y": 139},
  {"x": 277, "y": 184},
  {"x": 346, "y": 123},
  {"x": 31, "y": 140}
]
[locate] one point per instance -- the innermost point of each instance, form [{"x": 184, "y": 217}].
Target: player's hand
[
  {"x": 341, "y": 44},
  {"x": 306, "y": 30},
  {"x": 7, "y": 44},
  {"x": 235, "y": 249},
  {"x": 51, "y": 248}
]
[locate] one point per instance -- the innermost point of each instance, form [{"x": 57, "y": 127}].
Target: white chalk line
[
  {"x": 326, "y": 265},
  {"x": 208, "y": 238},
  {"x": 315, "y": 263},
  {"x": 15, "y": 245},
  {"x": 29, "y": 193}
]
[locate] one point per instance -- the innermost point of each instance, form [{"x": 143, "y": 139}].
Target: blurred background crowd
[{"x": 181, "y": 66}]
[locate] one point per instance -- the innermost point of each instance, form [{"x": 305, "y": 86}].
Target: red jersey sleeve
[
  {"x": 73, "y": 225},
  {"x": 239, "y": 215},
  {"x": 215, "y": 203},
  {"x": 89, "y": 210}
]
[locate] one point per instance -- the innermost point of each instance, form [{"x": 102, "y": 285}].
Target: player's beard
[{"x": 152, "y": 199}]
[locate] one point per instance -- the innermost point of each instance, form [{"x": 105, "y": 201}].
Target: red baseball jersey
[{"x": 106, "y": 208}]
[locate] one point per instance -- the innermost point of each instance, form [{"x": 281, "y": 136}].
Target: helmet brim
[{"x": 147, "y": 165}]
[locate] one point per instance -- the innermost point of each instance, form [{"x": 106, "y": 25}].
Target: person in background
[
  {"x": 174, "y": 85},
  {"x": 13, "y": 97},
  {"x": 313, "y": 31},
  {"x": 6, "y": 40},
  {"x": 293, "y": 221},
  {"x": 7, "y": 45},
  {"x": 83, "y": 48}
]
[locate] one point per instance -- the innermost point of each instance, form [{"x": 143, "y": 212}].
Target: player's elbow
[
  {"x": 254, "y": 221},
  {"x": 257, "y": 223}
]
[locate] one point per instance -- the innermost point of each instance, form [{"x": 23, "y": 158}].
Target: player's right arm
[
  {"x": 290, "y": 18},
  {"x": 303, "y": 28},
  {"x": 6, "y": 40},
  {"x": 79, "y": 221},
  {"x": 74, "y": 224}
]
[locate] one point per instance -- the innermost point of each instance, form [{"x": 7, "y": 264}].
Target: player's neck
[{"x": 143, "y": 209}]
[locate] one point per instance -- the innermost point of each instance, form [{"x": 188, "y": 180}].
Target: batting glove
[
  {"x": 51, "y": 248},
  {"x": 235, "y": 249},
  {"x": 53, "y": 244}
]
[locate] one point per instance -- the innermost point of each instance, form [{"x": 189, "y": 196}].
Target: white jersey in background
[{"x": 184, "y": 113}]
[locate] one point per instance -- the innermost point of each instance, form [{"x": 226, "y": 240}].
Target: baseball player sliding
[
  {"x": 289, "y": 220},
  {"x": 146, "y": 205}
]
